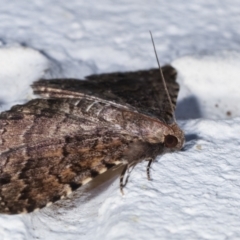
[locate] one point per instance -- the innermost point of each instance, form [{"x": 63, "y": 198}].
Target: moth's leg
[
  {"x": 148, "y": 168},
  {"x": 122, "y": 185},
  {"x": 127, "y": 168}
]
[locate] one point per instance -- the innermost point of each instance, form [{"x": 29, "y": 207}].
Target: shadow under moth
[{"x": 52, "y": 145}]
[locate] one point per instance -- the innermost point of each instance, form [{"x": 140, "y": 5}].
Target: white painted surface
[{"x": 195, "y": 193}]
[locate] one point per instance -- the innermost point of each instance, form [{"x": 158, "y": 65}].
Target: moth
[{"x": 76, "y": 130}]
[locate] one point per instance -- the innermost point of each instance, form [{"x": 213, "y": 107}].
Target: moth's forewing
[{"x": 140, "y": 90}]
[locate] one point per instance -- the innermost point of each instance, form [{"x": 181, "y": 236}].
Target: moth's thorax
[{"x": 143, "y": 127}]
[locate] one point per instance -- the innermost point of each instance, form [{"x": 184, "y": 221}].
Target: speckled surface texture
[{"x": 195, "y": 193}]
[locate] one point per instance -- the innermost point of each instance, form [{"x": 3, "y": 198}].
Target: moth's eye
[{"x": 170, "y": 141}]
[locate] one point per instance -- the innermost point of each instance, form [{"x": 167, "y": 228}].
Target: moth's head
[{"x": 174, "y": 139}]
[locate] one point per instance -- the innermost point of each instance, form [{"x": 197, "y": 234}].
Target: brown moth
[{"x": 51, "y": 146}]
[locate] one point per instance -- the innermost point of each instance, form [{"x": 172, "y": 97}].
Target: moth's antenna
[{"x": 162, "y": 78}]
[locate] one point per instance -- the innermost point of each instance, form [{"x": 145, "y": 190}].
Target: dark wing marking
[{"x": 140, "y": 90}]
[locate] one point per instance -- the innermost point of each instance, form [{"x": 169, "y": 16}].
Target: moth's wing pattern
[
  {"x": 54, "y": 149},
  {"x": 50, "y": 147},
  {"x": 141, "y": 90}
]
